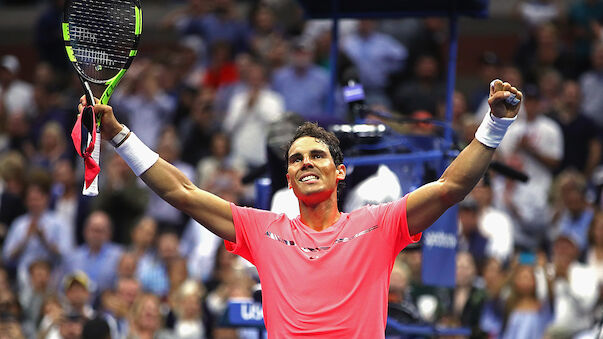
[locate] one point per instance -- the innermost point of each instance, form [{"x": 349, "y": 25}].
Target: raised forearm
[{"x": 466, "y": 170}]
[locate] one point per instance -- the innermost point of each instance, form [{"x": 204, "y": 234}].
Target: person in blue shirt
[
  {"x": 303, "y": 85},
  {"x": 38, "y": 233},
  {"x": 98, "y": 256}
]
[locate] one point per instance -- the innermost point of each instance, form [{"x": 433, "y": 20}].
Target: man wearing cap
[
  {"x": 77, "y": 287},
  {"x": 574, "y": 287},
  {"x": 15, "y": 95}
]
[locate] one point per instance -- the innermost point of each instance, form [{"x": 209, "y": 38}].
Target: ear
[
  {"x": 341, "y": 172},
  {"x": 288, "y": 181}
]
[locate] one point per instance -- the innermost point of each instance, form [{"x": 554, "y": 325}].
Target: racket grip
[{"x": 92, "y": 190}]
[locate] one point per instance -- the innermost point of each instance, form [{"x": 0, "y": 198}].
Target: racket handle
[{"x": 92, "y": 190}]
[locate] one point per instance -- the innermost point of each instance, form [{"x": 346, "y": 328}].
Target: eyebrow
[{"x": 297, "y": 155}]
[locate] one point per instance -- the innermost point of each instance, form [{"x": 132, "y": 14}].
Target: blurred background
[{"x": 217, "y": 89}]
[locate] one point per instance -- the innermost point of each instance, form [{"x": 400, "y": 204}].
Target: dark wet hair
[{"x": 311, "y": 129}]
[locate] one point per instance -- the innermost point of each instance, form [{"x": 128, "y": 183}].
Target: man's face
[
  {"x": 36, "y": 200},
  {"x": 77, "y": 295},
  {"x": 97, "y": 230},
  {"x": 311, "y": 171},
  {"x": 71, "y": 329}
]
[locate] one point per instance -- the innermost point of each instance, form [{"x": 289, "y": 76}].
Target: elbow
[{"x": 180, "y": 197}]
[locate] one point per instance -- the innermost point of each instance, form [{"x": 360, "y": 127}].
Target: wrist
[
  {"x": 492, "y": 130},
  {"x": 119, "y": 137}
]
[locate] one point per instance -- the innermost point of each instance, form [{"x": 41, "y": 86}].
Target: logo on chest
[{"x": 317, "y": 251}]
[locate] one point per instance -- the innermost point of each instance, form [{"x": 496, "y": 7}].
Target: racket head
[{"x": 101, "y": 38}]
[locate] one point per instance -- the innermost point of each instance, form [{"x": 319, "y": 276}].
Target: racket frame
[{"x": 110, "y": 84}]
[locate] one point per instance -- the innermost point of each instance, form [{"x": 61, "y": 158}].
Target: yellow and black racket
[{"x": 101, "y": 39}]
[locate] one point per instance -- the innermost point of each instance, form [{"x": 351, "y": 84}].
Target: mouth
[{"x": 308, "y": 178}]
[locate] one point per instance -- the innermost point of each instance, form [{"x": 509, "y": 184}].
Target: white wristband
[
  {"x": 493, "y": 129},
  {"x": 136, "y": 154}
]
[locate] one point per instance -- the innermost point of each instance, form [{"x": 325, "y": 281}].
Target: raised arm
[
  {"x": 426, "y": 204},
  {"x": 168, "y": 182}
]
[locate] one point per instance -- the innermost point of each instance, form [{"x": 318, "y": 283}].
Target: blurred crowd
[{"x": 216, "y": 104}]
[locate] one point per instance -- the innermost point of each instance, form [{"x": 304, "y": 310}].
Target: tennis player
[{"x": 324, "y": 274}]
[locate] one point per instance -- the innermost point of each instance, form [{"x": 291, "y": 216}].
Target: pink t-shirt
[{"x": 329, "y": 284}]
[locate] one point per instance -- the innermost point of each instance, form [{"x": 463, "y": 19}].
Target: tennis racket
[{"x": 101, "y": 39}]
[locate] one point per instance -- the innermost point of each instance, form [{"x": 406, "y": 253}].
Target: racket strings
[{"x": 102, "y": 34}]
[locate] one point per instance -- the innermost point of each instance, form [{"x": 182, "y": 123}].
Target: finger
[
  {"x": 80, "y": 108},
  {"x": 495, "y": 86},
  {"x": 499, "y": 96},
  {"x": 506, "y": 86},
  {"x": 83, "y": 100}
]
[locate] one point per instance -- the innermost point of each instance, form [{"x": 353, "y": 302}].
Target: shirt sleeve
[
  {"x": 392, "y": 217},
  {"x": 250, "y": 227}
]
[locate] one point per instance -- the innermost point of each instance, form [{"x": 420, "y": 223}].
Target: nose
[{"x": 306, "y": 162}]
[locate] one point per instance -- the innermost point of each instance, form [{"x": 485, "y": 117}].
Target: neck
[{"x": 320, "y": 216}]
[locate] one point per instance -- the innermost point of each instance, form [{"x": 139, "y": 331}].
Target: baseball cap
[
  {"x": 76, "y": 277},
  {"x": 11, "y": 63}
]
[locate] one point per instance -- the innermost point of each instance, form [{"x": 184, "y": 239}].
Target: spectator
[
  {"x": 303, "y": 85},
  {"x": 468, "y": 298},
  {"x": 121, "y": 197},
  {"x": 144, "y": 102},
  {"x": 143, "y": 237},
  {"x": 574, "y": 288},
  {"x": 493, "y": 222},
  {"x": 12, "y": 189},
  {"x": 400, "y": 306},
  {"x": 67, "y": 201},
  {"x": 471, "y": 238},
  {"x": 98, "y": 256},
  {"x": 38, "y": 233},
  {"x": 51, "y": 313},
  {"x": 221, "y": 71},
  {"x": 197, "y": 129},
  {"x": 574, "y": 214},
  {"x": 491, "y": 319},
  {"x": 221, "y": 173},
  {"x": 52, "y": 146},
  {"x": 594, "y": 255},
  {"x": 525, "y": 315},
  {"x": 145, "y": 319},
  {"x": 376, "y": 55},
  {"x": 221, "y": 23},
  {"x": 12, "y": 315},
  {"x": 248, "y": 116},
  {"x": 199, "y": 247},
  {"x": 490, "y": 65},
  {"x": 96, "y": 328},
  {"x": 189, "y": 313},
  {"x": 582, "y": 15},
  {"x": 543, "y": 52},
  {"x": 71, "y": 326},
  {"x": 423, "y": 91},
  {"x": 116, "y": 305},
  {"x": 535, "y": 13},
  {"x": 152, "y": 271},
  {"x": 591, "y": 85},
  {"x": 16, "y": 94},
  {"x": 32, "y": 296},
  {"x": 534, "y": 146},
  {"x": 169, "y": 149},
  {"x": 579, "y": 132},
  {"x": 78, "y": 293},
  {"x": 126, "y": 266}
]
